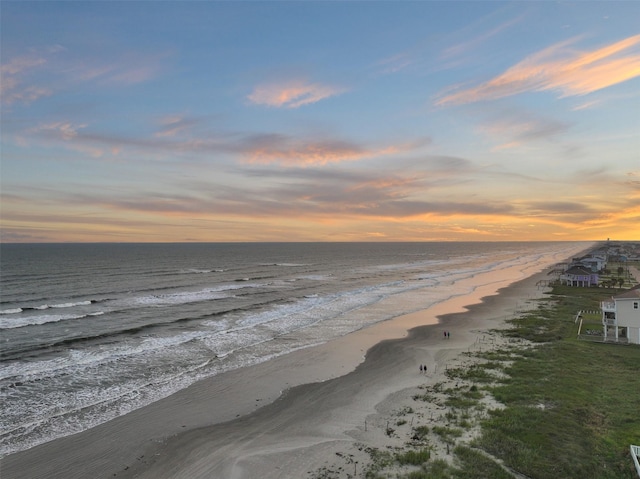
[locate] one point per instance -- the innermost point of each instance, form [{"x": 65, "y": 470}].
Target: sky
[{"x": 240, "y": 121}]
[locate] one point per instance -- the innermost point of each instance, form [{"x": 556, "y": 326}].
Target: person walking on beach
[
  {"x": 421, "y": 368},
  {"x": 445, "y": 335}
]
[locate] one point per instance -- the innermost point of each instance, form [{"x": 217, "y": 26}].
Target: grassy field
[{"x": 572, "y": 407}]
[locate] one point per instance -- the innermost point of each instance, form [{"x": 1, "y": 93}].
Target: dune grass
[{"x": 572, "y": 407}]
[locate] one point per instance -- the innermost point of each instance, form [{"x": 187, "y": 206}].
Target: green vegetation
[
  {"x": 571, "y": 406},
  {"x": 476, "y": 373},
  {"x": 447, "y": 434},
  {"x": 420, "y": 433},
  {"x": 413, "y": 457},
  {"x": 476, "y": 465},
  {"x": 616, "y": 275},
  {"x": 473, "y": 464},
  {"x": 464, "y": 398},
  {"x": 426, "y": 397}
]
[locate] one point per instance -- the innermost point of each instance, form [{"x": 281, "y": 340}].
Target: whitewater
[{"x": 93, "y": 331}]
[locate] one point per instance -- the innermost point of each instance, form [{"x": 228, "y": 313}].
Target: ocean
[{"x": 90, "y": 332}]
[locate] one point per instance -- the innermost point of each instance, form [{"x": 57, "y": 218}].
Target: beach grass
[
  {"x": 568, "y": 407},
  {"x": 572, "y": 405}
]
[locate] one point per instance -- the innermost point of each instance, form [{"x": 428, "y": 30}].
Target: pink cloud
[
  {"x": 291, "y": 94},
  {"x": 12, "y": 87},
  {"x": 20, "y": 64},
  {"x": 59, "y": 129},
  {"x": 558, "y": 68},
  {"x": 21, "y": 75},
  {"x": 275, "y": 149},
  {"x": 305, "y": 153}
]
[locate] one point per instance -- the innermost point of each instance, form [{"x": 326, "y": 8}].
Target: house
[
  {"x": 621, "y": 317},
  {"x": 579, "y": 276},
  {"x": 595, "y": 262}
]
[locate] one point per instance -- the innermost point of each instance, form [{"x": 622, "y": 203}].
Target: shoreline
[{"x": 221, "y": 427}]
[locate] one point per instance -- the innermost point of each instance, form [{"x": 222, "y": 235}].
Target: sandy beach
[{"x": 295, "y": 414}]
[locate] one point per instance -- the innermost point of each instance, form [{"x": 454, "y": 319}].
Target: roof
[
  {"x": 579, "y": 270},
  {"x": 633, "y": 293}
]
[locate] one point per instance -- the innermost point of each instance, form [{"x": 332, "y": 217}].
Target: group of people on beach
[{"x": 423, "y": 367}]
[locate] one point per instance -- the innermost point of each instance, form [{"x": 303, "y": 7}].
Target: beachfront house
[
  {"x": 595, "y": 262},
  {"x": 621, "y": 317},
  {"x": 579, "y": 276}
]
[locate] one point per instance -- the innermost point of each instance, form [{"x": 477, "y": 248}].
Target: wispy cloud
[
  {"x": 395, "y": 63},
  {"x": 127, "y": 70},
  {"x": 175, "y": 125},
  {"x": 292, "y": 94},
  {"x": 20, "y": 64},
  {"x": 267, "y": 149},
  {"x": 464, "y": 47},
  {"x": 586, "y": 105},
  {"x": 12, "y": 85},
  {"x": 459, "y": 49},
  {"x": 191, "y": 136},
  {"x": 43, "y": 71},
  {"x": 558, "y": 68},
  {"x": 514, "y": 129},
  {"x": 388, "y": 193},
  {"x": 61, "y": 130},
  {"x": 291, "y": 151}
]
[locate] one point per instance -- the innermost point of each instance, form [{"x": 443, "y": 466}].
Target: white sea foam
[
  {"x": 58, "y": 305},
  {"x": 23, "y": 321},
  {"x": 315, "y": 277},
  {"x": 77, "y": 360},
  {"x": 71, "y": 305},
  {"x": 51, "y": 396},
  {"x": 185, "y": 297},
  {"x": 285, "y": 265}
]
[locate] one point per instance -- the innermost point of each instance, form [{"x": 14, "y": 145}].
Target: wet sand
[{"x": 242, "y": 425}]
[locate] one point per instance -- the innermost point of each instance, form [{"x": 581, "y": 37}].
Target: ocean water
[{"x": 89, "y": 332}]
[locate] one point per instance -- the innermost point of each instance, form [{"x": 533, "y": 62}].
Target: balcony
[{"x": 608, "y": 306}]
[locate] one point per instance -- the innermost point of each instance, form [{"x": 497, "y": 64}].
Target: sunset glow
[{"x": 328, "y": 121}]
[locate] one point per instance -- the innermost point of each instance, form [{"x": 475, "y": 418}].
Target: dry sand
[{"x": 241, "y": 425}]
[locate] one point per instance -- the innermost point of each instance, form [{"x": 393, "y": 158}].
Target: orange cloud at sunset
[
  {"x": 290, "y": 152},
  {"x": 558, "y": 68},
  {"x": 292, "y": 94},
  {"x": 290, "y": 121},
  {"x": 305, "y": 154},
  {"x": 300, "y": 223}
]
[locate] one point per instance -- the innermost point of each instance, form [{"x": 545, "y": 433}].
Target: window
[{"x": 636, "y": 305}]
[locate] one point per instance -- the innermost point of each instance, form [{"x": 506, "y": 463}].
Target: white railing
[
  {"x": 635, "y": 452},
  {"x": 608, "y": 306}
]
